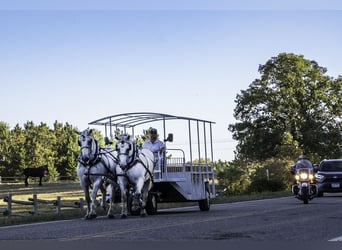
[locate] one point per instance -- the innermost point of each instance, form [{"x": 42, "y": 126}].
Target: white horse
[
  {"x": 96, "y": 166},
  {"x": 135, "y": 169}
]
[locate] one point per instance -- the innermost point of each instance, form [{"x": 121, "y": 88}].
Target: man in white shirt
[{"x": 156, "y": 146}]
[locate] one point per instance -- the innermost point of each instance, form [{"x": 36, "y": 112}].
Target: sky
[{"x": 79, "y": 62}]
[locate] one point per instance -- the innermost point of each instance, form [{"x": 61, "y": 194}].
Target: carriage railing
[
  {"x": 174, "y": 164},
  {"x": 177, "y": 167}
]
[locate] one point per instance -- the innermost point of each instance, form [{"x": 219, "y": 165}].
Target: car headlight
[{"x": 319, "y": 177}]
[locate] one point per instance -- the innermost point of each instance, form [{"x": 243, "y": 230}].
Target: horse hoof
[
  {"x": 90, "y": 216},
  {"x": 123, "y": 216},
  {"x": 143, "y": 215},
  {"x": 110, "y": 216}
]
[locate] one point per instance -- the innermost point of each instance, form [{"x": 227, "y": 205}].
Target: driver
[{"x": 156, "y": 146}]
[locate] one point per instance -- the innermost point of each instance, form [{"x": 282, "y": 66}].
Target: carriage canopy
[{"x": 198, "y": 131}]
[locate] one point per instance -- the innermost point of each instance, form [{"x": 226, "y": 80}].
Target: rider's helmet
[{"x": 303, "y": 157}]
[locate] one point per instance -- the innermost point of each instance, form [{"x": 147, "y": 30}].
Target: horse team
[{"x": 126, "y": 167}]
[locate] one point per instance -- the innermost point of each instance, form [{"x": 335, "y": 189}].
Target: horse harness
[
  {"x": 96, "y": 159},
  {"x": 135, "y": 159}
]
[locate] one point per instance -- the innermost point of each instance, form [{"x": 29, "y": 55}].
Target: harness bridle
[
  {"x": 96, "y": 156},
  {"x": 132, "y": 157}
]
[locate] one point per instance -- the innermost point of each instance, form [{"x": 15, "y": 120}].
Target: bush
[{"x": 261, "y": 185}]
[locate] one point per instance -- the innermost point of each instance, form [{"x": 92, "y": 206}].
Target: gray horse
[
  {"x": 96, "y": 166},
  {"x": 135, "y": 169}
]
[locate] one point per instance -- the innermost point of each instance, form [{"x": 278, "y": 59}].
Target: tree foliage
[
  {"x": 233, "y": 177},
  {"x": 36, "y": 145},
  {"x": 293, "y": 108}
]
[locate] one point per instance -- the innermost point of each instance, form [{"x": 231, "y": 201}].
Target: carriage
[{"x": 185, "y": 174}]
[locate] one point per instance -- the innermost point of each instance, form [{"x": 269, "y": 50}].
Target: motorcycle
[{"x": 304, "y": 188}]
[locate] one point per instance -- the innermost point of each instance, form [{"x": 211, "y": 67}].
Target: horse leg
[
  {"x": 40, "y": 180},
  {"x": 146, "y": 188},
  {"x": 93, "y": 214},
  {"x": 87, "y": 198},
  {"x": 138, "y": 200},
  {"x": 104, "y": 196},
  {"x": 26, "y": 182},
  {"x": 124, "y": 191},
  {"x": 110, "y": 213}
]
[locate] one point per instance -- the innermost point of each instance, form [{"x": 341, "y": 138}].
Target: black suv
[{"x": 329, "y": 176}]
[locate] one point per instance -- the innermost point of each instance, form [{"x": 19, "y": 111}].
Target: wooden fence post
[
  {"x": 9, "y": 205},
  {"x": 58, "y": 205},
  {"x": 35, "y": 207},
  {"x": 81, "y": 204}
]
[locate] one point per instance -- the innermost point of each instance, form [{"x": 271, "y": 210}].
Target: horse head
[
  {"x": 45, "y": 168},
  {"x": 89, "y": 147},
  {"x": 125, "y": 147}
]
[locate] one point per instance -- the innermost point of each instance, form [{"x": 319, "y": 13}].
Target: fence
[
  {"x": 33, "y": 202},
  {"x": 19, "y": 179}
]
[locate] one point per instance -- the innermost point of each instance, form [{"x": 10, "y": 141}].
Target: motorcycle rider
[
  {"x": 293, "y": 167},
  {"x": 302, "y": 162}
]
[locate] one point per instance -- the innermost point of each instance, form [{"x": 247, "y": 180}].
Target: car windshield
[{"x": 331, "y": 166}]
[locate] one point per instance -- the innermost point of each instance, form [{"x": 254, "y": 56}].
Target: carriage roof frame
[
  {"x": 133, "y": 119},
  {"x": 130, "y": 120}
]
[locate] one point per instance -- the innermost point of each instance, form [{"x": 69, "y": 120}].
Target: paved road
[{"x": 273, "y": 219}]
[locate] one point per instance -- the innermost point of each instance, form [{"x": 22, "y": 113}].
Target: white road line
[{"x": 336, "y": 239}]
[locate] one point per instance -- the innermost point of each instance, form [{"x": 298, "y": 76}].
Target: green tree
[
  {"x": 4, "y": 149},
  {"x": 17, "y": 152},
  {"x": 232, "y": 177},
  {"x": 294, "y": 101},
  {"x": 270, "y": 175},
  {"x": 67, "y": 149}
]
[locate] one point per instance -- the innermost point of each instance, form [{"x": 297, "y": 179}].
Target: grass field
[{"x": 70, "y": 192}]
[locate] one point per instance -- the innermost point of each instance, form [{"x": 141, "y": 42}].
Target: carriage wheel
[
  {"x": 204, "y": 204},
  {"x": 151, "y": 204}
]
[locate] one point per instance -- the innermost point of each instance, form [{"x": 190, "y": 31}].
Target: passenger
[{"x": 156, "y": 146}]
